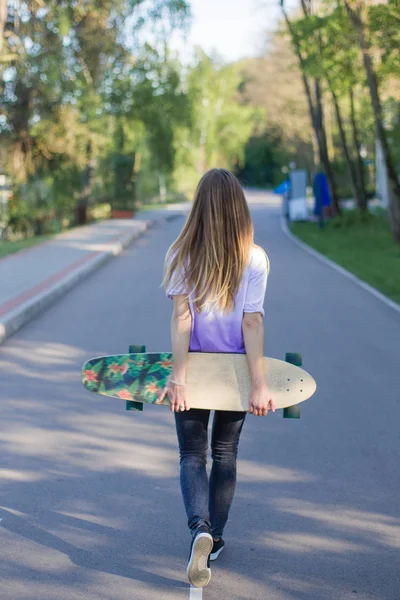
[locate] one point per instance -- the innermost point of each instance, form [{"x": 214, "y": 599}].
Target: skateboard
[{"x": 215, "y": 381}]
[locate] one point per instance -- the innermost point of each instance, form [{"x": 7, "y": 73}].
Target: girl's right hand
[
  {"x": 260, "y": 401},
  {"x": 176, "y": 395}
]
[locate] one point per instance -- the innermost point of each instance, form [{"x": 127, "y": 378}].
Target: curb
[
  {"x": 20, "y": 316},
  {"x": 339, "y": 269}
]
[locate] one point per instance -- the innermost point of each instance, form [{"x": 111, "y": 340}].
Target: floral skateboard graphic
[
  {"x": 135, "y": 377},
  {"x": 215, "y": 381}
]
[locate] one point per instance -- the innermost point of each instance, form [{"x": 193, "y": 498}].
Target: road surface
[{"x": 90, "y": 501}]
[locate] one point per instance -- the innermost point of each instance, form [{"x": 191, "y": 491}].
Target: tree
[
  {"x": 358, "y": 14},
  {"x": 161, "y": 104},
  {"x": 273, "y": 83},
  {"x": 328, "y": 55},
  {"x": 315, "y": 104},
  {"x": 64, "y": 61},
  {"x": 221, "y": 123},
  {"x": 3, "y": 17}
]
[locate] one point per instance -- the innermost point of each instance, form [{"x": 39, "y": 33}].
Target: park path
[
  {"x": 91, "y": 506},
  {"x": 34, "y": 278}
]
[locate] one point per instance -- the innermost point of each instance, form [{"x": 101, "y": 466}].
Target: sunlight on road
[
  {"x": 376, "y": 527},
  {"x": 25, "y": 358},
  {"x": 17, "y": 475},
  {"x": 90, "y": 451},
  {"x": 303, "y": 543},
  {"x": 254, "y": 472}
]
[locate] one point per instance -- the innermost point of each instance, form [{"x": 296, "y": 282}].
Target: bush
[
  {"x": 19, "y": 223},
  {"x": 100, "y": 211}
]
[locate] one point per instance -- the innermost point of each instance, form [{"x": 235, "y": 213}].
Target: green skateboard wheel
[
  {"x": 294, "y": 358},
  {"x": 293, "y": 412},
  {"x": 130, "y": 405}
]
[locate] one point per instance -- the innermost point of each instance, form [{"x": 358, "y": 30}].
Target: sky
[{"x": 232, "y": 28}]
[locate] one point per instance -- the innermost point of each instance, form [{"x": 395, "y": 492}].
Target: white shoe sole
[
  {"x": 215, "y": 555},
  {"x": 198, "y": 573}
]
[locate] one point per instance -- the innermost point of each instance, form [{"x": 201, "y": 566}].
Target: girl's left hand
[{"x": 177, "y": 397}]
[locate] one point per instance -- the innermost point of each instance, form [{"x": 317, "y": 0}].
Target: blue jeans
[{"x": 207, "y": 503}]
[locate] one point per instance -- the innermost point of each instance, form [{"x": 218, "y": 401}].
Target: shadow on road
[{"x": 315, "y": 515}]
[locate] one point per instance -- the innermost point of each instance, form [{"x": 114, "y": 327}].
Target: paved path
[
  {"x": 91, "y": 505},
  {"x": 34, "y": 278}
]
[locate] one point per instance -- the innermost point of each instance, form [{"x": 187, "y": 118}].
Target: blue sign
[{"x": 282, "y": 187}]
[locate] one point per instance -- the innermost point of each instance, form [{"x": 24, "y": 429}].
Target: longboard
[{"x": 215, "y": 381}]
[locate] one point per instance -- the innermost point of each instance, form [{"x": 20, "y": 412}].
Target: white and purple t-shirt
[{"x": 216, "y": 331}]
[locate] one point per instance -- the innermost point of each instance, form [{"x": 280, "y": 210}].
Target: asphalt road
[{"x": 90, "y": 500}]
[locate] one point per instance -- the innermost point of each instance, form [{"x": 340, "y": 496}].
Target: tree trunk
[
  {"x": 316, "y": 116},
  {"x": 314, "y": 142},
  {"x": 309, "y": 9},
  {"x": 321, "y": 135},
  {"x": 329, "y": 134},
  {"x": 86, "y": 188},
  {"x": 393, "y": 184},
  {"x": 346, "y": 152},
  {"x": 359, "y": 160}
]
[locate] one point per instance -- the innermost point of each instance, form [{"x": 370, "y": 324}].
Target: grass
[
  {"x": 363, "y": 246},
  {"x": 12, "y": 247}
]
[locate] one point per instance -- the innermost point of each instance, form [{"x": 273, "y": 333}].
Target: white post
[
  {"x": 162, "y": 186},
  {"x": 381, "y": 176}
]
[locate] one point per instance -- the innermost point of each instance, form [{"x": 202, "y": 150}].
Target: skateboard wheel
[
  {"x": 293, "y": 412},
  {"x": 136, "y": 349},
  {"x": 130, "y": 405},
  {"x": 294, "y": 358}
]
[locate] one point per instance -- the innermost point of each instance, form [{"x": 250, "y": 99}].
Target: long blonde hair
[{"x": 214, "y": 246}]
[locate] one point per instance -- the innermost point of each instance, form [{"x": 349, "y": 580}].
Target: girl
[{"x": 217, "y": 278}]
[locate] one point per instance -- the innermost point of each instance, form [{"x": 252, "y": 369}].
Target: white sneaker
[{"x": 198, "y": 569}]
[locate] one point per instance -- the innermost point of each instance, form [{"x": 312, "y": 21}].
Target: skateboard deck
[{"x": 215, "y": 381}]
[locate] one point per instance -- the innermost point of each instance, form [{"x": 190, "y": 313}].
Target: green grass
[
  {"x": 12, "y": 247},
  {"x": 363, "y": 246}
]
